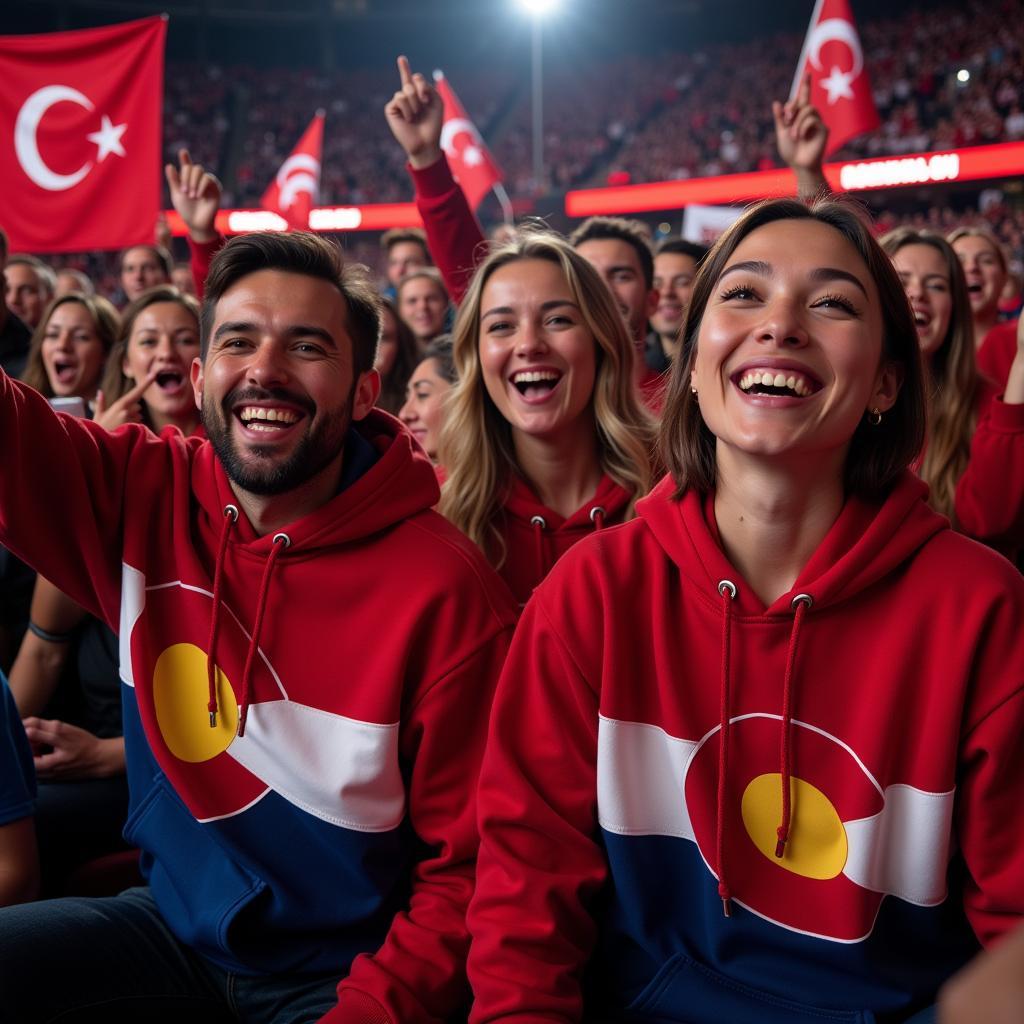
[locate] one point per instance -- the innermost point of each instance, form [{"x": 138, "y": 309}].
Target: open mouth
[
  {"x": 65, "y": 372},
  {"x": 535, "y": 385},
  {"x": 780, "y": 383},
  {"x": 975, "y": 289},
  {"x": 264, "y": 420},
  {"x": 921, "y": 319},
  {"x": 170, "y": 381}
]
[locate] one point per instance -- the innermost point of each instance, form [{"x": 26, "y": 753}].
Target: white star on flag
[
  {"x": 471, "y": 156},
  {"x": 837, "y": 85},
  {"x": 108, "y": 139}
]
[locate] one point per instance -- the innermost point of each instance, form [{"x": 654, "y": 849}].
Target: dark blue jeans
[{"x": 86, "y": 961}]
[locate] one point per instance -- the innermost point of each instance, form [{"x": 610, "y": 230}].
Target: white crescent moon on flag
[
  {"x": 26, "y": 145},
  {"x": 298, "y": 162},
  {"x": 842, "y": 32},
  {"x": 453, "y": 128}
]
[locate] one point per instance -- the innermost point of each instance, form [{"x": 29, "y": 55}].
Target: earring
[
  {"x": 693, "y": 390},
  {"x": 875, "y": 417}
]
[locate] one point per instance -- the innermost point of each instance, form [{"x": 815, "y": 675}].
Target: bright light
[
  {"x": 539, "y": 8},
  {"x": 963, "y": 75}
]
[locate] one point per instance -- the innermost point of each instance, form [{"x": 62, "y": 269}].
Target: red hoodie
[
  {"x": 335, "y": 832},
  {"x": 536, "y": 537},
  {"x": 997, "y": 352},
  {"x": 651, "y": 708},
  {"x": 989, "y": 497}
]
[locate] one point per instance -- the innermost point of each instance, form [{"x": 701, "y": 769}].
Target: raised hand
[
  {"x": 800, "y": 133},
  {"x": 127, "y": 409},
  {"x": 71, "y": 752},
  {"x": 415, "y": 115},
  {"x": 195, "y": 194}
]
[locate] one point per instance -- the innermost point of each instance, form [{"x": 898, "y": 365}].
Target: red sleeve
[
  {"x": 988, "y": 823},
  {"x": 202, "y": 257},
  {"x": 418, "y": 975},
  {"x": 540, "y": 861},
  {"x": 997, "y": 352},
  {"x": 989, "y": 499},
  {"x": 62, "y": 491},
  {"x": 454, "y": 237}
]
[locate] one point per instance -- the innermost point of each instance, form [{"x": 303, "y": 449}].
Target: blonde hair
[
  {"x": 476, "y": 447},
  {"x": 952, "y": 377}
]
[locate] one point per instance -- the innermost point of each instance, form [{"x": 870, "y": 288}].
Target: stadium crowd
[{"x": 535, "y": 627}]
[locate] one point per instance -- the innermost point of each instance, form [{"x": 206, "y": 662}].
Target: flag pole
[{"x": 506, "y": 204}]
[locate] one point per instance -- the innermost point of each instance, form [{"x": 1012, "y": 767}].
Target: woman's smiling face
[
  {"x": 789, "y": 350},
  {"x": 537, "y": 354}
]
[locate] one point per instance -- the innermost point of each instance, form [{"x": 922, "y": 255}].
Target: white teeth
[
  {"x": 283, "y": 416},
  {"x": 533, "y": 376},
  {"x": 796, "y": 382}
]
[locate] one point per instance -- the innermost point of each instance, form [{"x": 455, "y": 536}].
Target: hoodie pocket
[
  {"x": 686, "y": 992},
  {"x": 198, "y": 886}
]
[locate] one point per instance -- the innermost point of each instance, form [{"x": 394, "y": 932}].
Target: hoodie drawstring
[
  {"x": 799, "y": 604},
  {"x": 281, "y": 542},
  {"x": 539, "y": 524},
  {"x": 597, "y": 518},
  {"x": 728, "y": 591},
  {"x": 230, "y": 518}
]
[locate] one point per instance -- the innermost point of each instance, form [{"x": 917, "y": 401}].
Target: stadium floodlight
[
  {"x": 538, "y": 8},
  {"x": 963, "y": 76}
]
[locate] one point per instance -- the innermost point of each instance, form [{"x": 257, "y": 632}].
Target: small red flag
[
  {"x": 83, "y": 111},
  {"x": 296, "y": 188},
  {"x": 472, "y": 164},
  {"x": 833, "y": 57}
]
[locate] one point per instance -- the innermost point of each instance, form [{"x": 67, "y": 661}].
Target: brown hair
[
  {"x": 298, "y": 252},
  {"x": 106, "y": 323},
  {"x": 115, "y": 383},
  {"x": 162, "y": 256},
  {"x": 398, "y": 235},
  {"x": 430, "y": 274},
  {"x": 877, "y": 454},
  {"x": 954, "y": 236},
  {"x": 632, "y": 232},
  {"x": 952, "y": 375},
  {"x": 392, "y": 387}
]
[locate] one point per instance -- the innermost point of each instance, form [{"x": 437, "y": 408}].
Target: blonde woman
[
  {"x": 974, "y": 456},
  {"x": 545, "y": 440},
  {"x": 985, "y": 269}
]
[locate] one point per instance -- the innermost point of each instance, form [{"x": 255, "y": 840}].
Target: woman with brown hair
[
  {"x": 147, "y": 377},
  {"x": 754, "y": 755},
  {"x": 397, "y": 356},
  {"x": 544, "y": 440},
  {"x": 70, "y": 346},
  {"x": 973, "y": 460}
]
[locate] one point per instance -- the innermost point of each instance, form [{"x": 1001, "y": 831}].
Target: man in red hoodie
[{"x": 301, "y": 636}]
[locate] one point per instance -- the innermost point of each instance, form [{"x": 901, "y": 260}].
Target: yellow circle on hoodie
[
  {"x": 181, "y": 693},
  {"x": 817, "y": 846}
]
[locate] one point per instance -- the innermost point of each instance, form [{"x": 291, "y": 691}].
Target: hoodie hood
[
  {"x": 399, "y": 483},
  {"x": 536, "y": 536},
  {"x": 867, "y": 541}
]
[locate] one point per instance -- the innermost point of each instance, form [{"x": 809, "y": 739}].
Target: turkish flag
[
  {"x": 833, "y": 57},
  {"x": 83, "y": 110},
  {"x": 296, "y": 188},
  {"x": 471, "y": 162}
]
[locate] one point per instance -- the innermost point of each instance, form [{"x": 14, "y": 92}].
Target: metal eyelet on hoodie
[
  {"x": 283, "y": 537},
  {"x": 232, "y": 511},
  {"x": 539, "y": 521},
  {"x": 804, "y": 599},
  {"x": 725, "y": 585},
  {"x": 597, "y": 516}
]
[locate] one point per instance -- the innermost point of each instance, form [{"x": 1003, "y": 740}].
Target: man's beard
[{"x": 315, "y": 450}]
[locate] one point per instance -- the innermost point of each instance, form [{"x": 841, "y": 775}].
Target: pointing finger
[{"x": 404, "y": 71}]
